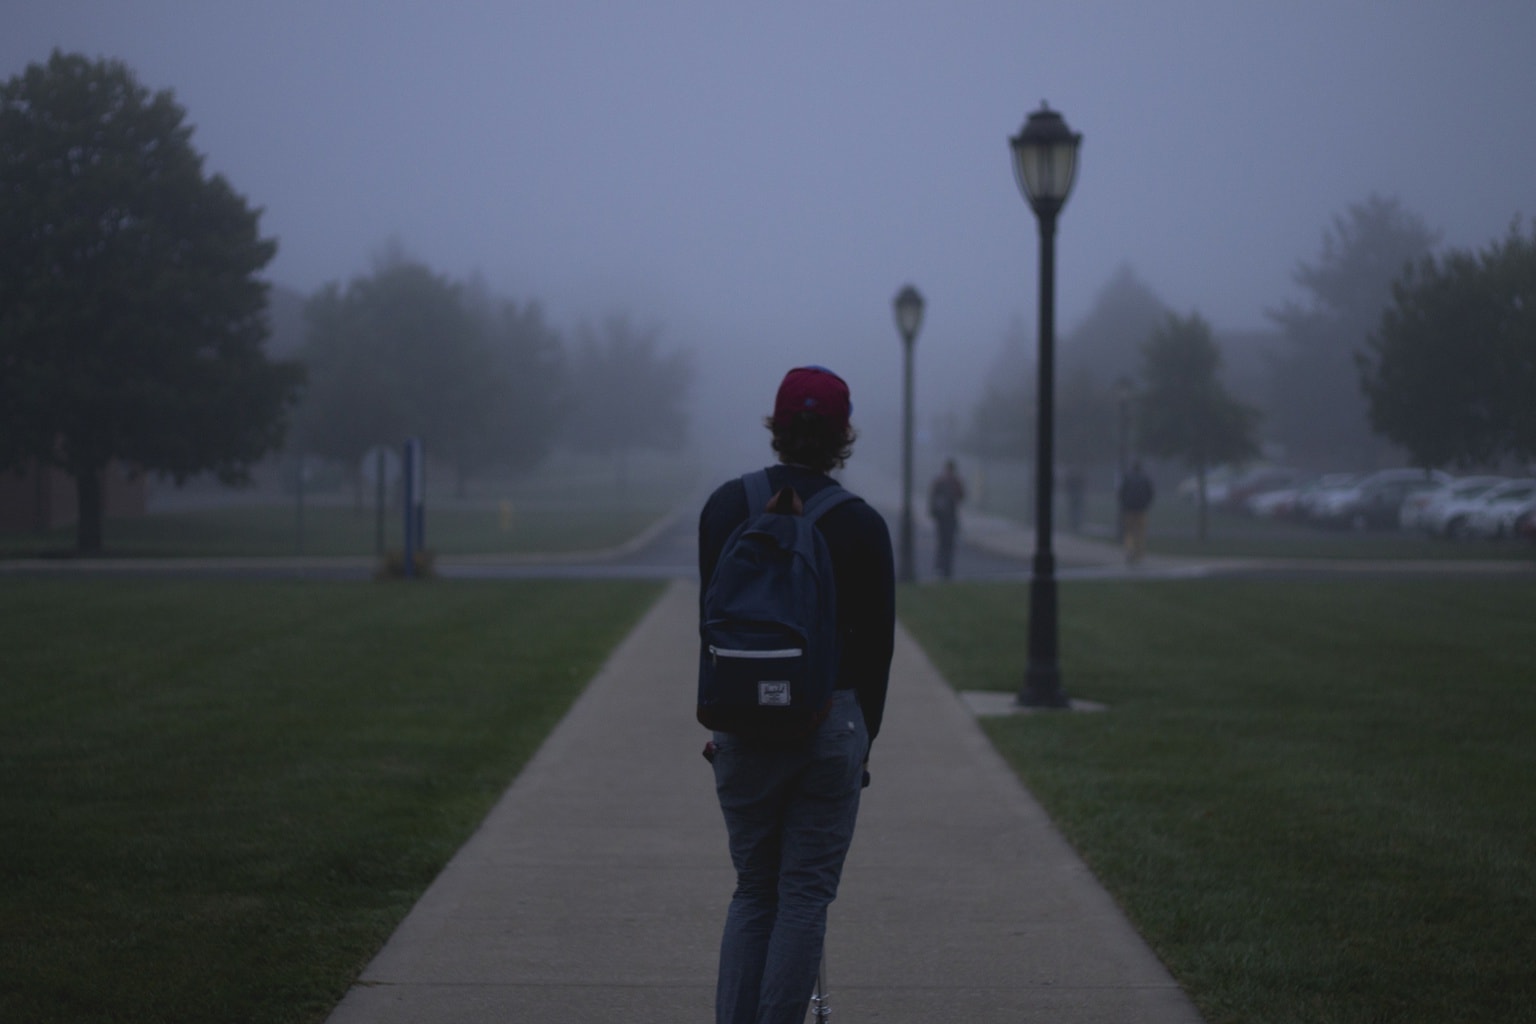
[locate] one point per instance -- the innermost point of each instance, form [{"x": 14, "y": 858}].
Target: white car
[
  {"x": 1525, "y": 526},
  {"x": 1217, "y": 480},
  {"x": 1277, "y": 504},
  {"x": 1453, "y": 517},
  {"x": 1310, "y": 496},
  {"x": 1422, "y": 511},
  {"x": 1230, "y": 487},
  {"x": 1340, "y": 506},
  {"x": 1495, "y": 515}
]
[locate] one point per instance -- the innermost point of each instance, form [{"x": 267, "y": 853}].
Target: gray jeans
[{"x": 790, "y": 814}]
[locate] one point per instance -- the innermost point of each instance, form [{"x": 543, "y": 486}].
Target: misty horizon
[{"x": 760, "y": 183}]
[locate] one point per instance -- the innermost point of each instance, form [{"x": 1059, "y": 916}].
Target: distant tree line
[
  {"x": 1391, "y": 352},
  {"x": 489, "y": 385},
  {"x": 134, "y": 323},
  {"x": 133, "y": 328}
]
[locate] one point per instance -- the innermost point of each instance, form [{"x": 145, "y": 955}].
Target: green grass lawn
[
  {"x": 218, "y": 799},
  {"x": 1295, "y": 541},
  {"x": 268, "y": 530},
  {"x": 1314, "y": 800}
]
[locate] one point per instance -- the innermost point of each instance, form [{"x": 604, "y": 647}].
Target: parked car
[
  {"x": 1494, "y": 517},
  {"x": 1230, "y": 486},
  {"x": 1411, "y": 511},
  {"x": 1216, "y": 480},
  {"x": 1365, "y": 501},
  {"x": 1260, "y": 480},
  {"x": 1427, "y": 510},
  {"x": 1454, "y": 518},
  {"x": 1313, "y": 494},
  {"x": 1522, "y": 520},
  {"x": 1288, "y": 502},
  {"x": 1277, "y": 504},
  {"x": 1525, "y": 526},
  {"x": 1378, "y": 505}
]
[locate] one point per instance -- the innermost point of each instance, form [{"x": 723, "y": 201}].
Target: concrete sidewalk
[{"x": 596, "y": 889}]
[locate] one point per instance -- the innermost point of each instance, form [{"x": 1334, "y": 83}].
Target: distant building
[{"x": 43, "y": 498}]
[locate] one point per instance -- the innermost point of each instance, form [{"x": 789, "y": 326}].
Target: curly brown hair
[{"x": 811, "y": 441}]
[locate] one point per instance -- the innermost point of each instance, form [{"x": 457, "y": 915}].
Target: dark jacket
[
  {"x": 1136, "y": 492},
  {"x": 860, "y": 547}
]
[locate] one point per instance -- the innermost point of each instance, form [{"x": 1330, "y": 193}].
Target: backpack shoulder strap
[
  {"x": 825, "y": 500},
  {"x": 758, "y": 493}
]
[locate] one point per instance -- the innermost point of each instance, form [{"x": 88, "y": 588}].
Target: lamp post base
[
  {"x": 1042, "y": 688},
  {"x": 1042, "y": 673}
]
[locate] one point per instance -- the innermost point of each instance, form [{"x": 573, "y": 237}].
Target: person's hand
[{"x": 864, "y": 782}]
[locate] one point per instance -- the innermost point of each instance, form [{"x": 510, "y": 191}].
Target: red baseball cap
[{"x": 816, "y": 390}]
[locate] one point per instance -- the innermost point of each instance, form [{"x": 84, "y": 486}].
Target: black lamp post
[
  {"x": 1044, "y": 163},
  {"x": 909, "y": 317}
]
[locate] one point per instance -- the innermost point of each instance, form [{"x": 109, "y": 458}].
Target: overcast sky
[{"x": 760, "y": 179}]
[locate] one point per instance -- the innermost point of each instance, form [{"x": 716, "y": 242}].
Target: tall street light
[
  {"x": 1044, "y": 164},
  {"x": 909, "y": 317}
]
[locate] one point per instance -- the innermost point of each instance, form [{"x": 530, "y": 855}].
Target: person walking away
[
  {"x": 944, "y": 498},
  {"x": 790, "y": 807},
  {"x": 1135, "y": 496}
]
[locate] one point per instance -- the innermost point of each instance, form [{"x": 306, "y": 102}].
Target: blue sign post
[{"x": 415, "y": 512}]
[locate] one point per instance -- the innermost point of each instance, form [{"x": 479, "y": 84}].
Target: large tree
[
  {"x": 131, "y": 316},
  {"x": 1103, "y": 346},
  {"x": 405, "y": 351},
  {"x": 1315, "y": 405},
  {"x": 1183, "y": 410},
  {"x": 1450, "y": 373},
  {"x": 1087, "y": 420},
  {"x": 1002, "y": 422},
  {"x": 532, "y": 392},
  {"x": 629, "y": 394},
  {"x": 1098, "y": 351},
  {"x": 393, "y": 355}
]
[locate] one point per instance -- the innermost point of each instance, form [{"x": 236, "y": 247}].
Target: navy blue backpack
[{"x": 768, "y": 642}]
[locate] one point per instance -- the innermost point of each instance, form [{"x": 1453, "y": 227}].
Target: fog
[{"x": 759, "y": 180}]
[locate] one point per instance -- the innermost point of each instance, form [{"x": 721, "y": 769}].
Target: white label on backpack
[
  {"x": 773, "y": 693},
  {"x": 732, "y": 652}
]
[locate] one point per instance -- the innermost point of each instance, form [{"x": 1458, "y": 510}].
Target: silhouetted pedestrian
[
  {"x": 1135, "y": 495},
  {"x": 944, "y": 498}
]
